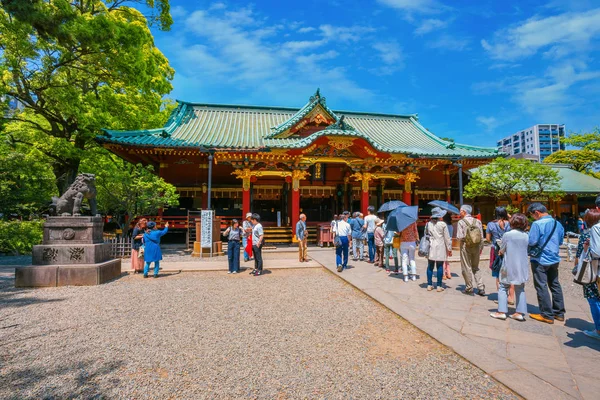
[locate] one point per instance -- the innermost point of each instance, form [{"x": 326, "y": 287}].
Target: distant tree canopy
[
  {"x": 586, "y": 159},
  {"x": 78, "y": 66},
  {"x": 505, "y": 178}
]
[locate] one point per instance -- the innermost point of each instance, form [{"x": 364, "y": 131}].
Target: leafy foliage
[
  {"x": 581, "y": 160},
  {"x": 77, "y": 67},
  {"x": 19, "y": 237},
  {"x": 587, "y": 158},
  {"x": 26, "y": 183},
  {"x": 506, "y": 178},
  {"x": 125, "y": 188}
]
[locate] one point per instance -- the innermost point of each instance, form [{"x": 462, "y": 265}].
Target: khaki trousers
[
  {"x": 469, "y": 262},
  {"x": 302, "y": 250}
]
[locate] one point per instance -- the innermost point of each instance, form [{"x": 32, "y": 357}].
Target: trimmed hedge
[{"x": 19, "y": 237}]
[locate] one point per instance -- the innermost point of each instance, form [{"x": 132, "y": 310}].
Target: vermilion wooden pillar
[
  {"x": 406, "y": 197},
  {"x": 364, "y": 200},
  {"x": 447, "y": 177},
  {"x": 245, "y": 202},
  {"x": 416, "y": 198},
  {"x": 295, "y": 210}
]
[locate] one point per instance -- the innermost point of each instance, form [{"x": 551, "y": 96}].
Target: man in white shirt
[
  {"x": 371, "y": 221},
  {"x": 344, "y": 231}
]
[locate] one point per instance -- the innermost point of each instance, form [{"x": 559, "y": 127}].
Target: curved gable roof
[{"x": 194, "y": 125}]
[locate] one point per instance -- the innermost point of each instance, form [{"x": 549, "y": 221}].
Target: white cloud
[
  {"x": 217, "y": 6},
  {"x": 550, "y": 96},
  {"x": 306, "y": 29},
  {"x": 390, "y": 53},
  {"x": 344, "y": 33},
  {"x": 178, "y": 12},
  {"x": 416, "y": 6},
  {"x": 240, "y": 50},
  {"x": 449, "y": 43},
  {"x": 430, "y": 25},
  {"x": 490, "y": 123},
  {"x": 561, "y": 35}
]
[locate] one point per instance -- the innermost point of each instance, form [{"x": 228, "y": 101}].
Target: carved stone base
[
  {"x": 75, "y": 253},
  {"x": 67, "y": 275}
]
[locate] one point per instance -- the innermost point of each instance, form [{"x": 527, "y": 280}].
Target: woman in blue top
[
  {"x": 495, "y": 230},
  {"x": 152, "y": 252}
]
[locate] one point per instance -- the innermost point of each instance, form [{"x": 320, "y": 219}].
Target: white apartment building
[{"x": 540, "y": 140}]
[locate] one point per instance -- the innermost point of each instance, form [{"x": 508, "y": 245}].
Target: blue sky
[{"x": 473, "y": 70}]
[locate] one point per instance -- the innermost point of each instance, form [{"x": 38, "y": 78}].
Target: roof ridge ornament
[
  {"x": 341, "y": 125},
  {"x": 317, "y": 96}
]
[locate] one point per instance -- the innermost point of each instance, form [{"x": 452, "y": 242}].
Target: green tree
[
  {"x": 586, "y": 158},
  {"x": 78, "y": 66},
  {"x": 585, "y": 141},
  {"x": 581, "y": 160},
  {"x": 26, "y": 183},
  {"x": 504, "y": 178},
  {"x": 126, "y": 188}
]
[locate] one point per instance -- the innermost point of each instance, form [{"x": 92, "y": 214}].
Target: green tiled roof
[
  {"x": 572, "y": 181},
  {"x": 215, "y": 126}
]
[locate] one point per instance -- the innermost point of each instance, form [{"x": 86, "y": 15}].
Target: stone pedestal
[{"x": 72, "y": 253}]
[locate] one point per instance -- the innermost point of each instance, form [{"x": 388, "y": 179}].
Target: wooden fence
[{"x": 119, "y": 247}]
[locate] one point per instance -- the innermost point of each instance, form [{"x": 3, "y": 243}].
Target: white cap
[{"x": 248, "y": 215}]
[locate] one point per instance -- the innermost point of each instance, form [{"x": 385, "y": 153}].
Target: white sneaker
[
  {"x": 414, "y": 277},
  {"x": 406, "y": 279},
  {"x": 234, "y": 272},
  {"x": 229, "y": 272}
]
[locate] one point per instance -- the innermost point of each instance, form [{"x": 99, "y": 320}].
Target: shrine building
[{"x": 279, "y": 161}]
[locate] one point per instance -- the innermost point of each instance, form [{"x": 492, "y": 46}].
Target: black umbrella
[{"x": 391, "y": 205}]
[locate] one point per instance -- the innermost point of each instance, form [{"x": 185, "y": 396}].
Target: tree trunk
[{"x": 65, "y": 174}]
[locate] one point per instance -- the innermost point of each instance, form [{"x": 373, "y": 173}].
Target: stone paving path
[{"x": 536, "y": 360}]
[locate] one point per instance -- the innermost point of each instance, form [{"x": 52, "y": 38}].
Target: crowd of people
[{"x": 517, "y": 248}]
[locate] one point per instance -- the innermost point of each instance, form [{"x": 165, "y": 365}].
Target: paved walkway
[{"x": 536, "y": 360}]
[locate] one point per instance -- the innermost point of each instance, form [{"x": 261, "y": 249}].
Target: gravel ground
[{"x": 287, "y": 334}]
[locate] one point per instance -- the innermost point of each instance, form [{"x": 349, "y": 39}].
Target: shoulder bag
[
  {"x": 536, "y": 250},
  {"x": 337, "y": 241},
  {"x": 425, "y": 243},
  {"x": 587, "y": 270}
]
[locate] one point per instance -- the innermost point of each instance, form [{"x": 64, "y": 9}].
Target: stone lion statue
[{"x": 69, "y": 203}]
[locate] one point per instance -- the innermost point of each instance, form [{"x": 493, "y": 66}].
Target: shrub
[{"x": 18, "y": 237}]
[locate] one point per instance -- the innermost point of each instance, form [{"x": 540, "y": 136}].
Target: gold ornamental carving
[
  {"x": 341, "y": 143},
  {"x": 364, "y": 178},
  {"x": 297, "y": 176},
  {"x": 244, "y": 174},
  {"x": 369, "y": 151}
]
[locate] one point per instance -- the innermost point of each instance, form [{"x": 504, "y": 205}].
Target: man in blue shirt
[
  {"x": 302, "y": 236},
  {"x": 545, "y": 267},
  {"x": 357, "y": 224}
]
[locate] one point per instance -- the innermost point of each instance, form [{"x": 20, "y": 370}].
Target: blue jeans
[
  {"x": 595, "y": 309},
  {"x": 519, "y": 298},
  {"x": 147, "y": 267},
  {"x": 244, "y": 244},
  {"x": 233, "y": 255},
  {"x": 342, "y": 251},
  {"x": 440, "y": 272},
  {"x": 371, "y": 243},
  {"x": 544, "y": 277}
]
